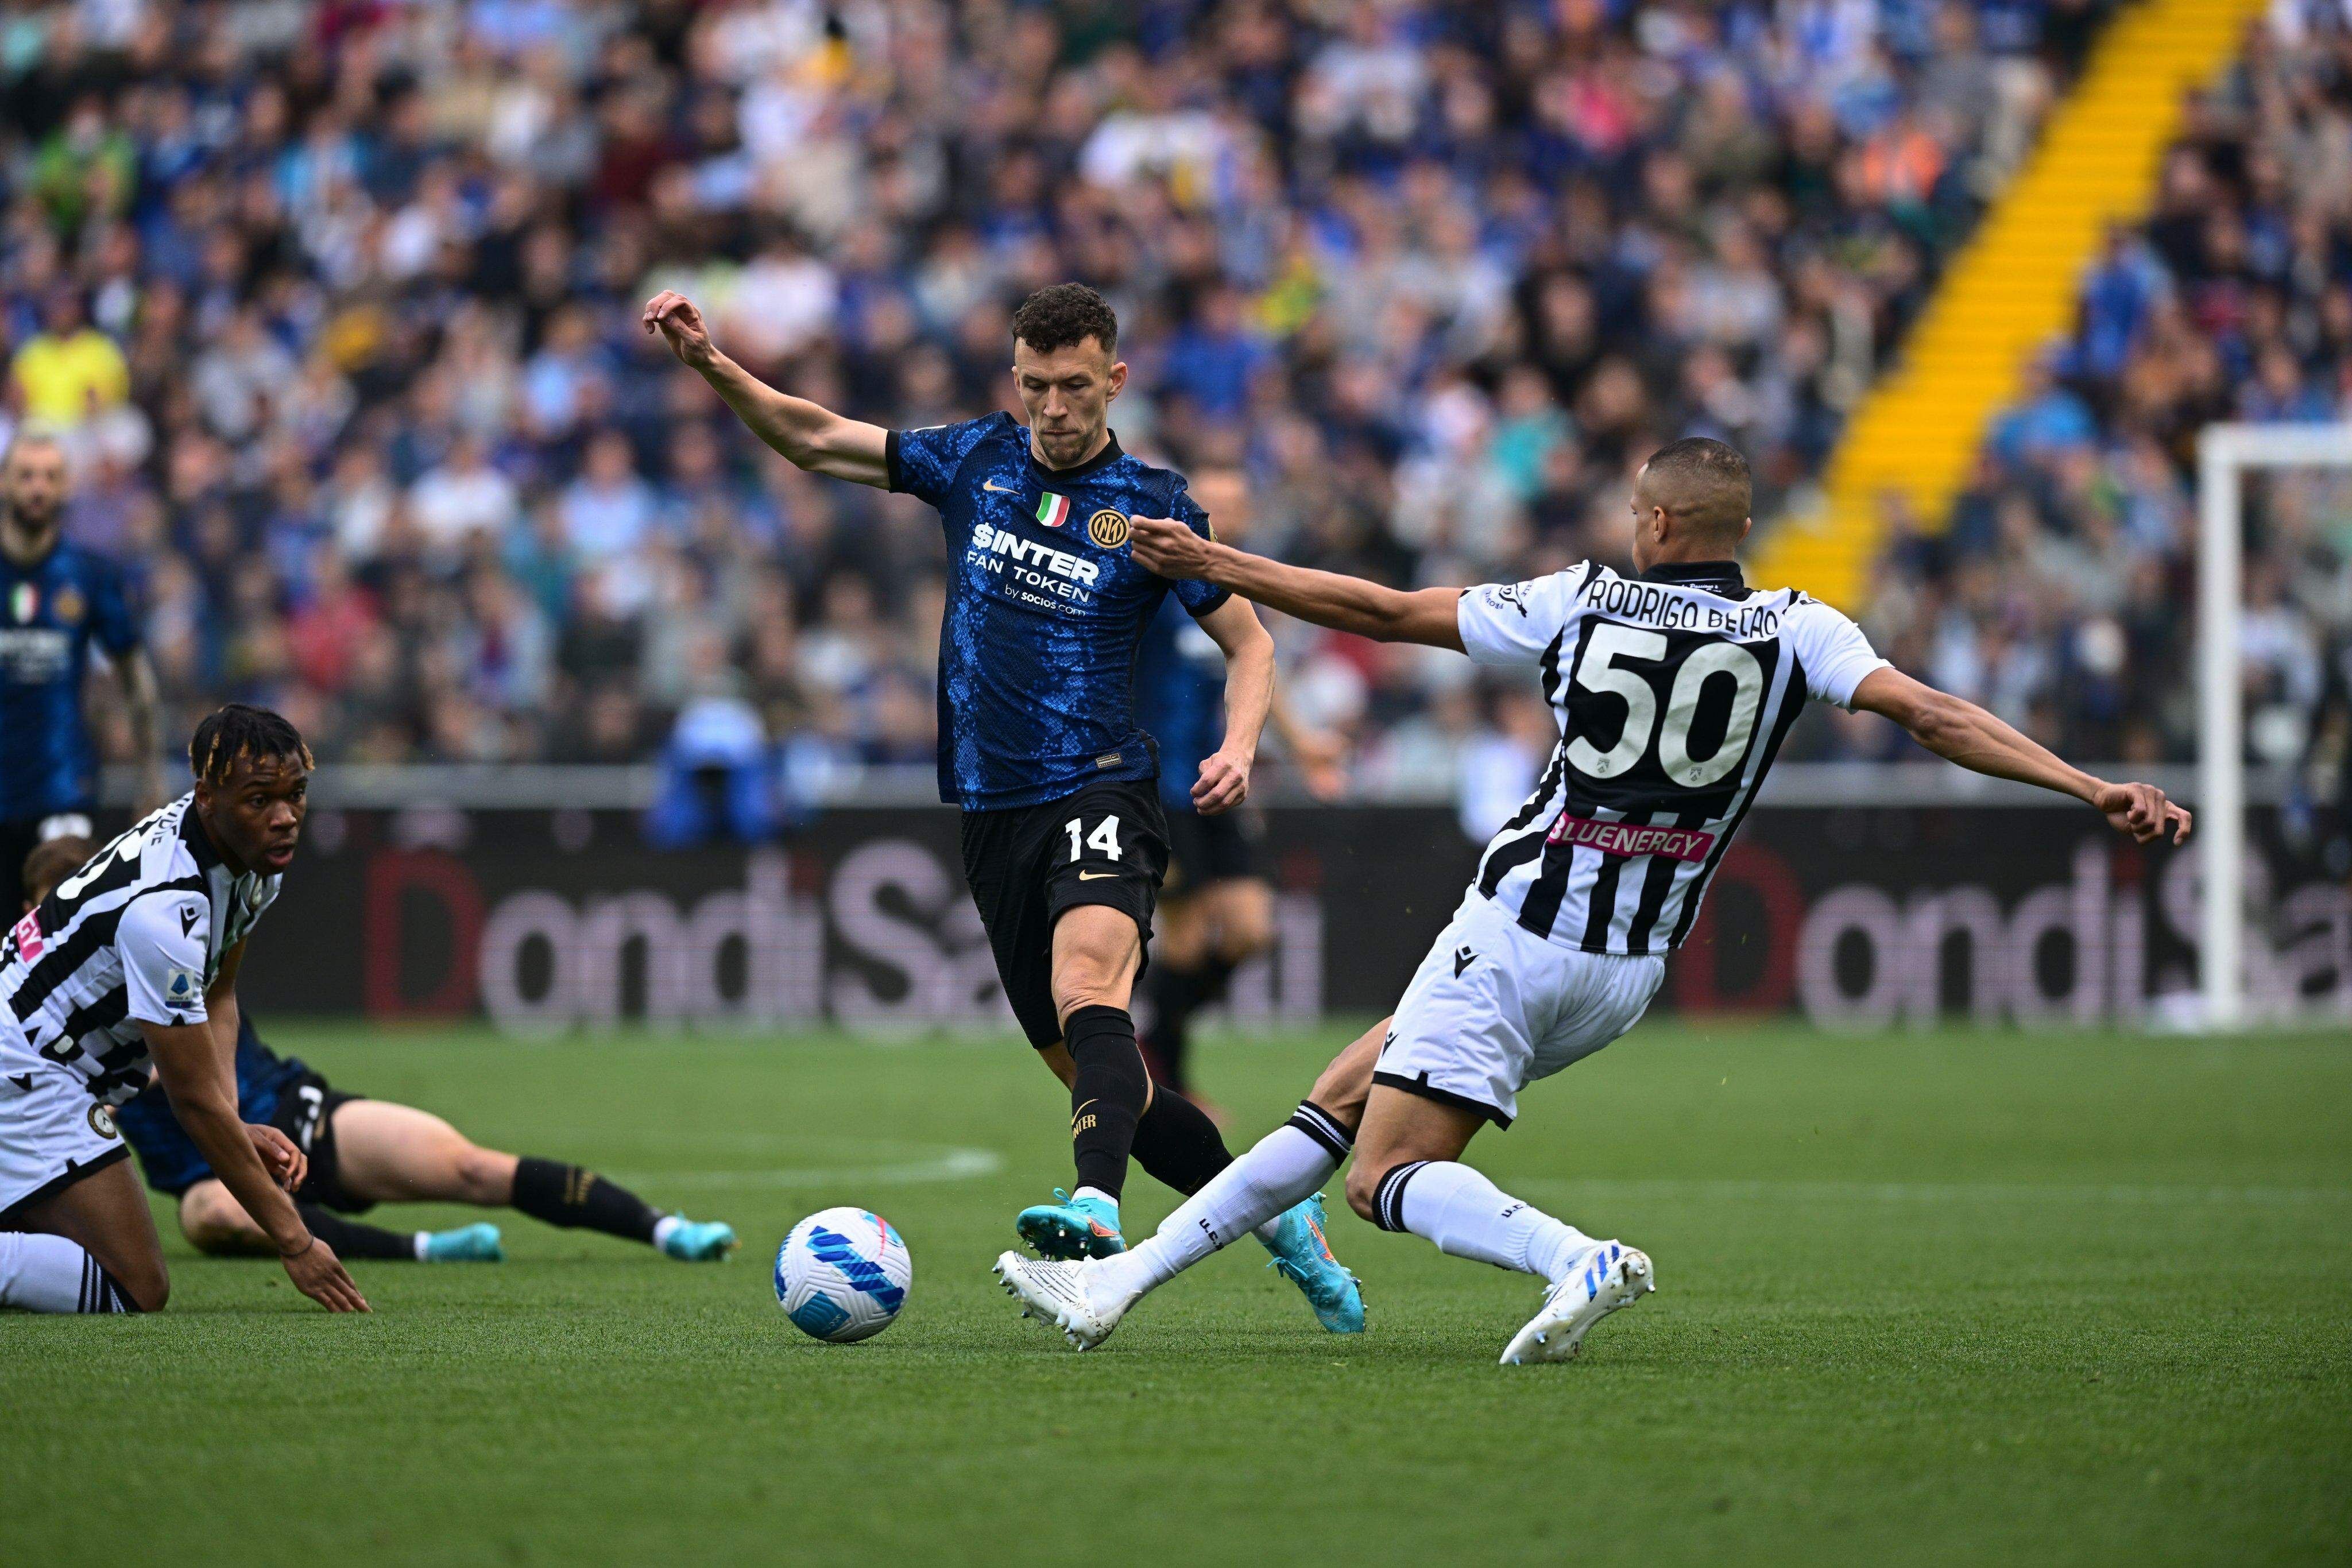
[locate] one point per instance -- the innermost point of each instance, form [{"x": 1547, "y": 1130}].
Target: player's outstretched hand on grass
[
  {"x": 286, "y": 1163},
  {"x": 1167, "y": 547},
  {"x": 319, "y": 1274},
  {"x": 1223, "y": 783},
  {"x": 681, "y": 326},
  {"x": 2141, "y": 810}
]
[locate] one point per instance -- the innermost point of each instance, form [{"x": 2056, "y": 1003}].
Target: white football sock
[
  {"x": 667, "y": 1226},
  {"x": 51, "y": 1274},
  {"x": 1283, "y": 1167},
  {"x": 1469, "y": 1217}
]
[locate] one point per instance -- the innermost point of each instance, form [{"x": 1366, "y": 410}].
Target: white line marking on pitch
[
  {"x": 1942, "y": 1192},
  {"x": 953, "y": 1165}
]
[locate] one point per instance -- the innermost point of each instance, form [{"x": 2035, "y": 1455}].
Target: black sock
[
  {"x": 350, "y": 1238},
  {"x": 573, "y": 1195},
  {"x": 1106, "y": 1094},
  {"x": 1176, "y": 1143},
  {"x": 1175, "y": 997}
]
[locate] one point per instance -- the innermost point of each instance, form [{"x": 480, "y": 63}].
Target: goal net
[{"x": 2270, "y": 953}]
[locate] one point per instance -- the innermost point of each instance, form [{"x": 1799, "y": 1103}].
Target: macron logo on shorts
[{"x": 1631, "y": 838}]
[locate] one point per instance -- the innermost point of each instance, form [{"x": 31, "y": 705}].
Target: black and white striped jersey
[
  {"x": 1674, "y": 691},
  {"x": 136, "y": 934}
]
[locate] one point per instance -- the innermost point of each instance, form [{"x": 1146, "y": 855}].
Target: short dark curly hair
[
  {"x": 236, "y": 731},
  {"x": 1063, "y": 316}
]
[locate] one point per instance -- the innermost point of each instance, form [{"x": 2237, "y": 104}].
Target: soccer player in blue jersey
[
  {"x": 1218, "y": 913},
  {"x": 1065, "y": 844},
  {"x": 58, "y": 601}
]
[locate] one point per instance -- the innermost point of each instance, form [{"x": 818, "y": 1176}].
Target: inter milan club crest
[{"x": 1108, "y": 529}]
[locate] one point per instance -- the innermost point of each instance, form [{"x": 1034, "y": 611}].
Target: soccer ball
[{"x": 842, "y": 1274}]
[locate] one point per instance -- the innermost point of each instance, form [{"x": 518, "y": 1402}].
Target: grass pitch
[{"x": 1949, "y": 1297}]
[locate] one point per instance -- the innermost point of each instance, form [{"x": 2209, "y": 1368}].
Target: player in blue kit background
[
  {"x": 1218, "y": 912},
  {"x": 58, "y": 601},
  {"x": 1065, "y": 844}
]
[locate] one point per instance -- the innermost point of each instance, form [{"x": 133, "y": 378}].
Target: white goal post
[{"x": 2224, "y": 453}]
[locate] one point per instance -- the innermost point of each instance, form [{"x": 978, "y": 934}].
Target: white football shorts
[
  {"x": 52, "y": 1133},
  {"x": 1495, "y": 1007}
]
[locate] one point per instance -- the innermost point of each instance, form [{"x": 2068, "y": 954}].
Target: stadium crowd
[
  {"x": 336, "y": 306},
  {"x": 2056, "y": 594}
]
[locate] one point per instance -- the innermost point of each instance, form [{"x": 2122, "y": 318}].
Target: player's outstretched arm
[
  {"x": 813, "y": 437},
  {"x": 142, "y": 706},
  {"x": 1961, "y": 732},
  {"x": 196, "y": 1062},
  {"x": 1224, "y": 777},
  {"x": 1326, "y": 598}
]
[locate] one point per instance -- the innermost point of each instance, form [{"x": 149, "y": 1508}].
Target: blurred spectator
[
  {"x": 341, "y": 304},
  {"x": 2056, "y": 592}
]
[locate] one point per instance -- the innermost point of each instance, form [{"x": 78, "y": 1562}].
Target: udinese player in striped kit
[
  {"x": 129, "y": 966},
  {"x": 1675, "y": 688}
]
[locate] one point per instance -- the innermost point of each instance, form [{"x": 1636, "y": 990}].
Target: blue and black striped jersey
[
  {"x": 51, "y": 612},
  {"x": 1046, "y": 608}
]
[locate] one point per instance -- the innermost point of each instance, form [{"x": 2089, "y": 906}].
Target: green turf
[{"x": 1946, "y": 1297}]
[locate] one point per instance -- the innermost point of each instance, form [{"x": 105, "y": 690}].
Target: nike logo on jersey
[
  {"x": 990, "y": 484},
  {"x": 1095, "y": 875},
  {"x": 1462, "y": 960},
  {"x": 22, "y": 1080}
]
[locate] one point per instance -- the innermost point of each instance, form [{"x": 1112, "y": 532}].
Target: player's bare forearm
[
  {"x": 1319, "y": 758},
  {"x": 1326, "y": 598},
  {"x": 142, "y": 706},
  {"x": 222, "y": 1017},
  {"x": 202, "y": 1092},
  {"x": 808, "y": 434},
  {"x": 1962, "y": 733},
  {"x": 1249, "y": 691}
]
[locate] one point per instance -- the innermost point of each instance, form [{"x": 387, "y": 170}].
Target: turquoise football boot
[
  {"x": 1304, "y": 1257},
  {"x": 466, "y": 1244},
  {"x": 699, "y": 1241},
  {"x": 1072, "y": 1227}
]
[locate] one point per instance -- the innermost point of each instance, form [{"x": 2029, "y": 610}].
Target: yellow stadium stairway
[{"x": 2010, "y": 290}]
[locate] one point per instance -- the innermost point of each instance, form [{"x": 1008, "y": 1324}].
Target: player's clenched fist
[
  {"x": 2142, "y": 811},
  {"x": 681, "y": 326},
  {"x": 1167, "y": 547},
  {"x": 1223, "y": 783},
  {"x": 287, "y": 1164}
]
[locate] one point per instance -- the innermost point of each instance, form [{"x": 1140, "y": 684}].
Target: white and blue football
[{"x": 842, "y": 1274}]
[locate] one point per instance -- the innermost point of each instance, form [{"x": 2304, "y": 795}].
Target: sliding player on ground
[
  {"x": 1064, "y": 841},
  {"x": 1217, "y": 912},
  {"x": 129, "y": 966},
  {"x": 364, "y": 1152},
  {"x": 57, "y": 602},
  {"x": 1675, "y": 688}
]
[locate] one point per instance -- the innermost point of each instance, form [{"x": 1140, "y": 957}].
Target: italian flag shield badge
[{"x": 1053, "y": 510}]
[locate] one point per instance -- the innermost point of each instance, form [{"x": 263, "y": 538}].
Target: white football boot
[
  {"x": 1611, "y": 1276},
  {"x": 1066, "y": 1294}
]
